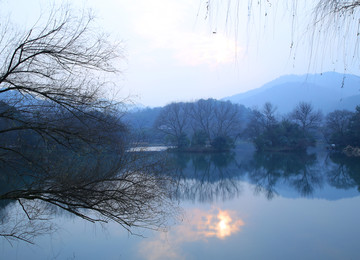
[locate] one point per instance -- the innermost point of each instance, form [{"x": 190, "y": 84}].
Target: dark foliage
[
  {"x": 269, "y": 134},
  {"x": 342, "y": 128},
  {"x": 211, "y": 125}
]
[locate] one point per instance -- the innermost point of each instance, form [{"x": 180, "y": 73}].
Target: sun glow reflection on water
[
  {"x": 216, "y": 223},
  {"x": 199, "y": 225}
]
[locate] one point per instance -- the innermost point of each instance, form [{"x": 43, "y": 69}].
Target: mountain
[
  {"x": 327, "y": 91},
  {"x": 142, "y": 118}
]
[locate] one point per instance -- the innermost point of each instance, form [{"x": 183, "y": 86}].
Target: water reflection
[
  {"x": 205, "y": 177},
  {"x": 123, "y": 188},
  {"x": 15, "y": 223},
  {"x": 199, "y": 225},
  {"x": 301, "y": 171},
  {"x": 343, "y": 171},
  {"x": 223, "y": 217},
  {"x": 223, "y": 225},
  {"x": 212, "y": 177},
  {"x": 199, "y": 178}
]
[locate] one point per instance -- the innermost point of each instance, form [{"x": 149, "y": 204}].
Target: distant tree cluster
[
  {"x": 206, "y": 124},
  {"x": 342, "y": 128},
  {"x": 141, "y": 125},
  {"x": 212, "y": 125},
  {"x": 293, "y": 132},
  {"x": 302, "y": 127}
]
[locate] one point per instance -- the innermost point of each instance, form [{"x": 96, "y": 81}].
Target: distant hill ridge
[{"x": 326, "y": 91}]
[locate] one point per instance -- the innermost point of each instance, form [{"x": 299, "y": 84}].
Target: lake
[{"x": 240, "y": 205}]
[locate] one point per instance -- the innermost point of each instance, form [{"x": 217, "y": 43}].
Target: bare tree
[
  {"x": 202, "y": 116},
  {"x": 337, "y": 126},
  {"x": 173, "y": 121},
  {"x": 216, "y": 118},
  {"x": 227, "y": 119},
  {"x": 337, "y": 20},
  {"x": 269, "y": 115},
  {"x": 63, "y": 143},
  {"x": 338, "y": 121},
  {"x": 255, "y": 125},
  {"x": 206, "y": 120},
  {"x": 306, "y": 117},
  {"x": 17, "y": 224},
  {"x": 261, "y": 120},
  {"x": 54, "y": 72}
]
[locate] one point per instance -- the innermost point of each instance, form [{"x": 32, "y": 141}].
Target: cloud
[
  {"x": 197, "y": 49},
  {"x": 173, "y": 25}
]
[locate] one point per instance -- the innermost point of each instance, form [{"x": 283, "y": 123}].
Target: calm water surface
[{"x": 242, "y": 205}]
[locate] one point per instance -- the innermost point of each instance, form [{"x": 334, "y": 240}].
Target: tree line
[
  {"x": 295, "y": 131},
  {"x": 204, "y": 125},
  {"x": 302, "y": 128},
  {"x": 213, "y": 125}
]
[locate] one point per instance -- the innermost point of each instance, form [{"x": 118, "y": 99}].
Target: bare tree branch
[{"x": 62, "y": 142}]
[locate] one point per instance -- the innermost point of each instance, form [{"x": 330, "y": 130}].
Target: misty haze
[{"x": 186, "y": 129}]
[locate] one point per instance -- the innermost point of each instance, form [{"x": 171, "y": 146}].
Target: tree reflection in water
[
  {"x": 343, "y": 172},
  {"x": 123, "y": 188},
  {"x": 298, "y": 170},
  {"x": 210, "y": 177},
  {"x": 139, "y": 196},
  {"x": 15, "y": 224},
  {"x": 205, "y": 177}
]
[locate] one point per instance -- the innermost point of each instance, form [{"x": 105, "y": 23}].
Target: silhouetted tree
[
  {"x": 53, "y": 74},
  {"x": 267, "y": 133},
  {"x": 342, "y": 128},
  {"x": 227, "y": 119},
  {"x": 202, "y": 117},
  {"x": 220, "y": 121},
  {"x": 64, "y": 143},
  {"x": 268, "y": 112},
  {"x": 337, "y": 127},
  {"x": 210, "y": 123},
  {"x": 173, "y": 121},
  {"x": 354, "y": 126},
  {"x": 304, "y": 115}
]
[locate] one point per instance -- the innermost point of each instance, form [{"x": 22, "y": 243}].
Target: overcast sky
[{"x": 175, "y": 52}]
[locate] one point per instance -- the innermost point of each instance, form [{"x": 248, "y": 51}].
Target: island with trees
[
  {"x": 202, "y": 126},
  {"x": 217, "y": 126}
]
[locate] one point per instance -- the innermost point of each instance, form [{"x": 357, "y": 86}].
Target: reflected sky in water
[
  {"x": 228, "y": 214},
  {"x": 199, "y": 226}
]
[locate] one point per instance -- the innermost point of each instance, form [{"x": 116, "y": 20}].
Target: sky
[{"x": 175, "y": 51}]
